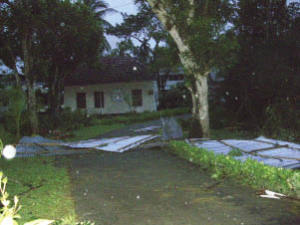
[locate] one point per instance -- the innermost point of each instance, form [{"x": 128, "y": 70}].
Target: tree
[
  {"x": 199, "y": 30},
  {"x": 19, "y": 22},
  {"x": 16, "y": 106},
  {"x": 72, "y": 35},
  {"x": 8, "y": 51},
  {"x": 52, "y": 38},
  {"x": 266, "y": 74},
  {"x": 100, "y": 9},
  {"x": 152, "y": 45}
]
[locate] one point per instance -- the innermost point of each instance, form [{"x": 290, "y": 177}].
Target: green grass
[
  {"x": 142, "y": 117},
  {"x": 109, "y": 123},
  {"x": 249, "y": 172},
  {"x": 94, "y": 131},
  {"x": 235, "y": 152},
  {"x": 43, "y": 189}
]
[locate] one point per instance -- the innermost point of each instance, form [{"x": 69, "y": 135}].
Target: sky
[{"x": 125, "y": 6}]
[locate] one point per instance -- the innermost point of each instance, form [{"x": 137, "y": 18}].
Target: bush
[
  {"x": 68, "y": 120},
  {"x": 6, "y": 136},
  {"x": 282, "y": 121},
  {"x": 178, "y": 96},
  {"x": 192, "y": 127},
  {"x": 249, "y": 172}
]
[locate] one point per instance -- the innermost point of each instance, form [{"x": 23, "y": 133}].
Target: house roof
[{"x": 112, "y": 70}]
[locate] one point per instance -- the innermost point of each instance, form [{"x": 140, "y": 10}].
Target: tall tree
[
  {"x": 72, "y": 35},
  {"x": 9, "y": 49},
  {"x": 146, "y": 39},
  {"x": 266, "y": 74},
  {"x": 100, "y": 8},
  {"x": 21, "y": 19},
  {"x": 52, "y": 38},
  {"x": 199, "y": 31},
  {"x": 141, "y": 28}
]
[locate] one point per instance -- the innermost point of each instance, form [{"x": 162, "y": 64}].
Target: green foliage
[
  {"x": 202, "y": 25},
  {"x": 191, "y": 127},
  {"x": 176, "y": 97},
  {"x": 10, "y": 126},
  {"x": 235, "y": 152},
  {"x": 60, "y": 35},
  {"x": 249, "y": 172},
  {"x": 192, "y": 130},
  {"x": 44, "y": 190},
  {"x": 261, "y": 89},
  {"x": 16, "y": 106},
  {"x": 41, "y": 186},
  {"x": 282, "y": 121},
  {"x": 71, "y": 221},
  {"x": 8, "y": 214},
  {"x": 6, "y": 136},
  {"x": 66, "y": 122},
  {"x": 94, "y": 131}
]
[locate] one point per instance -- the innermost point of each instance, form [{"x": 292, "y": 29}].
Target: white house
[{"x": 122, "y": 85}]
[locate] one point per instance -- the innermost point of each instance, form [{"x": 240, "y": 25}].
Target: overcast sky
[{"x": 125, "y": 6}]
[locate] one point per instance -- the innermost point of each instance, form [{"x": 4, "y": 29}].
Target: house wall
[{"x": 111, "y": 90}]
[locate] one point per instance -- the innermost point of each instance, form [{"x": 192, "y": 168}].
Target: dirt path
[{"x": 152, "y": 187}]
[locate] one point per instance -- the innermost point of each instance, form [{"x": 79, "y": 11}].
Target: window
[
  {"x": 81, "y": 100},
  {"x": 137, "y": 98},
  {"x": 99, "y": 99}
]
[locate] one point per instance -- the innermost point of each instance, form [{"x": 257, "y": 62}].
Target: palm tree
[{"x": 100, "y": 8}]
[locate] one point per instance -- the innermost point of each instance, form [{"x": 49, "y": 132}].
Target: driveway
[{"x": 153, "y": 187}]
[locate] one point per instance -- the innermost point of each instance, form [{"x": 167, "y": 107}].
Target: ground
[{"x": 154, "y": 187}]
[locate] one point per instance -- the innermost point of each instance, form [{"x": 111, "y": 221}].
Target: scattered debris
[
  {"x": 171, "y": 129},
  {"x": 271, "y": 194},
  {"x": 146, "y": 129},
  {"x": 31, "y": 146},
  {"x": 268, "y": 151}
]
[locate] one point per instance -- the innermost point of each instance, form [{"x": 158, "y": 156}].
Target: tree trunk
[
  {"x": 55, "y": 94},
  {"x": 16, "y": 74},
  {"x": 188, "y": 61},
  {"x": 194, "y": 101},
  {"x": 202, "y": 103},
  {"x": 32, "y": 106},
  {"x": 15, "y": 69},
  {"x": 31, "y": 98}
]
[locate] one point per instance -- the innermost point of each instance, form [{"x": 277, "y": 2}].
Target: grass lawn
[
  {"x": 93, "y": 131},
  {"x": 115, "y": 122},
  {"x": 43, "y": 189}
]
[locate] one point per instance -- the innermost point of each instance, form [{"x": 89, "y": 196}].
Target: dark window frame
[
  {"x": 99, "y": 99},
  {"x": 81, "y": 100},
  {"x": 137, "y": 97}
]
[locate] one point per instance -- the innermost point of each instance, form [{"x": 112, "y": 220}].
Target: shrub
[
  {"x": 192, "y": 127},
  {"x": 282, "y": 121},
  {"x": 16, "y": 106},
  {"x": 249, "y": 172},
  {"x": 68, "y": 120},
  {"x": 176, "y": 97}
]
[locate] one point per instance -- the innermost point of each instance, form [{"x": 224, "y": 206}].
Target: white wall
[{"x": 111, "y": 106}]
